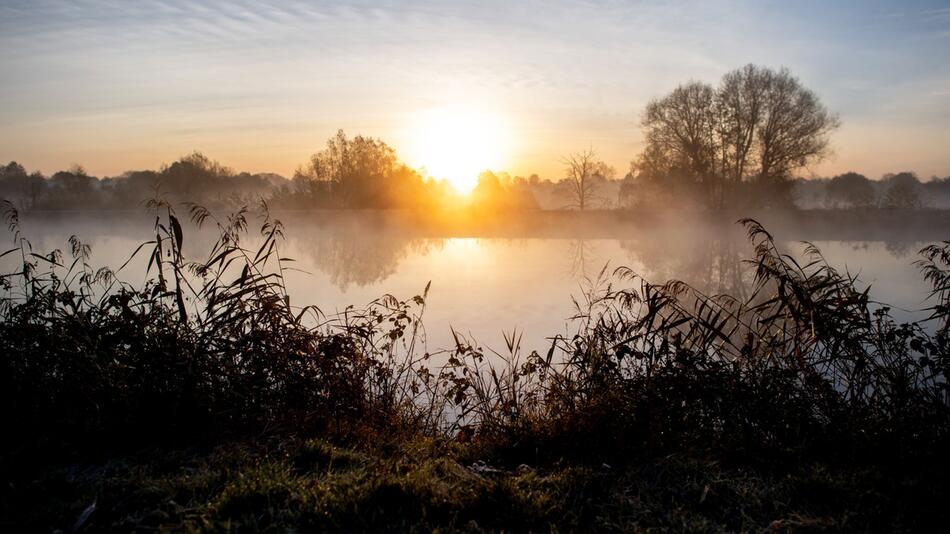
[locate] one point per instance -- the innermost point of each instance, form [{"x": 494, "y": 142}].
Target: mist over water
[{"x": 488, "y": 282}]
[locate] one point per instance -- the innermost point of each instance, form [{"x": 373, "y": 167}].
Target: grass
[
  {"x": 313, "y": 485},
  {"x": 206, "y": 400}
]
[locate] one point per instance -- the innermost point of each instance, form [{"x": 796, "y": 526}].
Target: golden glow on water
[
  {"x": 463, "y": 247},
  {"x": 457, "y": 144},
  {"x": 485, "y": 285}
]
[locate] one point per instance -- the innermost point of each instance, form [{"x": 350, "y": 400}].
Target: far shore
[{"x": 791, "y": 224}]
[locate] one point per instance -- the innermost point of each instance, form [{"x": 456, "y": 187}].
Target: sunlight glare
[{"x": 458, "y": 144}]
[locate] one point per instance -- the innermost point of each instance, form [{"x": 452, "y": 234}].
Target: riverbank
[
  {"x": 311, "y": 485},
  {"x": 202, "y": 400},
  {"x": 791, "y": 224}
]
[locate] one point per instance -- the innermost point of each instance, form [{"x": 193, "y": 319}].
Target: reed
[{"x": 806, "y": 368}]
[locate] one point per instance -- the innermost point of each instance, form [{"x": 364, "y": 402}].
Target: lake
[{"x": 521, "y": 273}]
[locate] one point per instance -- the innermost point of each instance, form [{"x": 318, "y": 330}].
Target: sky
[{"x": 260, "y": 85}]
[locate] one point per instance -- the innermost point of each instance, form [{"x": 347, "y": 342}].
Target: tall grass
[
  {"x": 807, "y": 364},
  {"x": 204, "y": 346}
]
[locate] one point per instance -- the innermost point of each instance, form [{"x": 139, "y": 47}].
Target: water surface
[{"x": 484, "y": 285}]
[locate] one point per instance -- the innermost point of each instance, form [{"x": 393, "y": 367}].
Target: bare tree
[
  {"x": 794, "y": 128},
  {"x": 758, "y": 126},
  {"x": 739, "y": 106},
  {"x": 680, "y": 134},
  {"x": 585, "y": 173}
]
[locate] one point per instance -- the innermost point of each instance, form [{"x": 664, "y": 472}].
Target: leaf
[
  {"x": 176, "y": 228},
  {"x": 84, "y": 516}
]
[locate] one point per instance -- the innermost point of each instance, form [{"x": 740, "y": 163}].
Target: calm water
[{"x": 484, "y": 286}]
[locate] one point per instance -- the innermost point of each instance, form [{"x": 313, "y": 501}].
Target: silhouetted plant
[
  {"x": 806, "y": 364},
  {"x": 204, "y": 345},
  {"x": 935, "y": 266}
]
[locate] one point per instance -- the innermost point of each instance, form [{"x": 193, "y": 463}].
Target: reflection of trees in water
[
  {"x": 896, "y": 249},
  {"x": 361, "y": 258},
  {"x": 717, "y": 264},
  {"x": 902, "y": 249},
  {"x": 713, "y": 265},
  {"x": 579, "y": 255}
]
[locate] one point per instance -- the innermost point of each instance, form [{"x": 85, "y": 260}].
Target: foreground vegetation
[
  {"x": 206, "y": 399},
  {"x": 312, "y": 485}
]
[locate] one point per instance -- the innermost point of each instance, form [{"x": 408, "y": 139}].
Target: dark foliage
[
  {"x": 806, "y": 370},
  {"x": 805, "y": 366},
  {"x": 204, "y": 347}
]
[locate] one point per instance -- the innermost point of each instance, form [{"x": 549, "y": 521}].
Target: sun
[{"x": 457, "y": 144}]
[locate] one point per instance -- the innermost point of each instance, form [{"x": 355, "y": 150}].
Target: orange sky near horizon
[{"x": 260, "y": 87}]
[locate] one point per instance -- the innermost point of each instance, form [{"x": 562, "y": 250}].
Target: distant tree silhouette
[
  {"x": 194, "y": 176},
  {"x": 500, "y": 191},
  {"x": 756, "y": 128},
  {"x": 652, "y": 188},
  {"x": 903, "y": 191},
  {"x": 361, "y": 172},
  {"x": 488, "y": 188},
  {"x": 74, "y": 181},
  {"x": 937, "y": 192},
  {"x": 12, "y": 170},
  {"x": 585, "y": 173},
  {"x": 18, "y": 186},
  {"x": 851, "y": 189}
]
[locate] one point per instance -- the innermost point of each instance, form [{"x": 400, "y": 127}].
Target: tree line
[
  {"x": 738, "y": 144},
  {"x": 851, "y": 190},
  {"x": 349, "y": 173}
]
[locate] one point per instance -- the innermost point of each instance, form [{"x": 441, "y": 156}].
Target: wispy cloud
[{"x": 572, "y": 69}]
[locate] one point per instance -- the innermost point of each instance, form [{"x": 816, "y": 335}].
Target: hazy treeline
[
  {"x": 357, "y": 173},
  {"x": 739, "y": 144},
  {"x": 197, "y": 178},
  {"x": 893, "y": 190},
  {"x": 350, "y": 173},
  {"x": 194, "y": 177}
]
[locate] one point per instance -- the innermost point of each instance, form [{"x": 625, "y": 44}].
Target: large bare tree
[
  {"x": 585, "y": 173},
  {"x": 758, "y": 126}
]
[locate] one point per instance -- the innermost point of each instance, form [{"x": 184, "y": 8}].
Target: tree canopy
[
  {"x": 851, "y": 190},
  {"x": 756, "y": 128}
]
